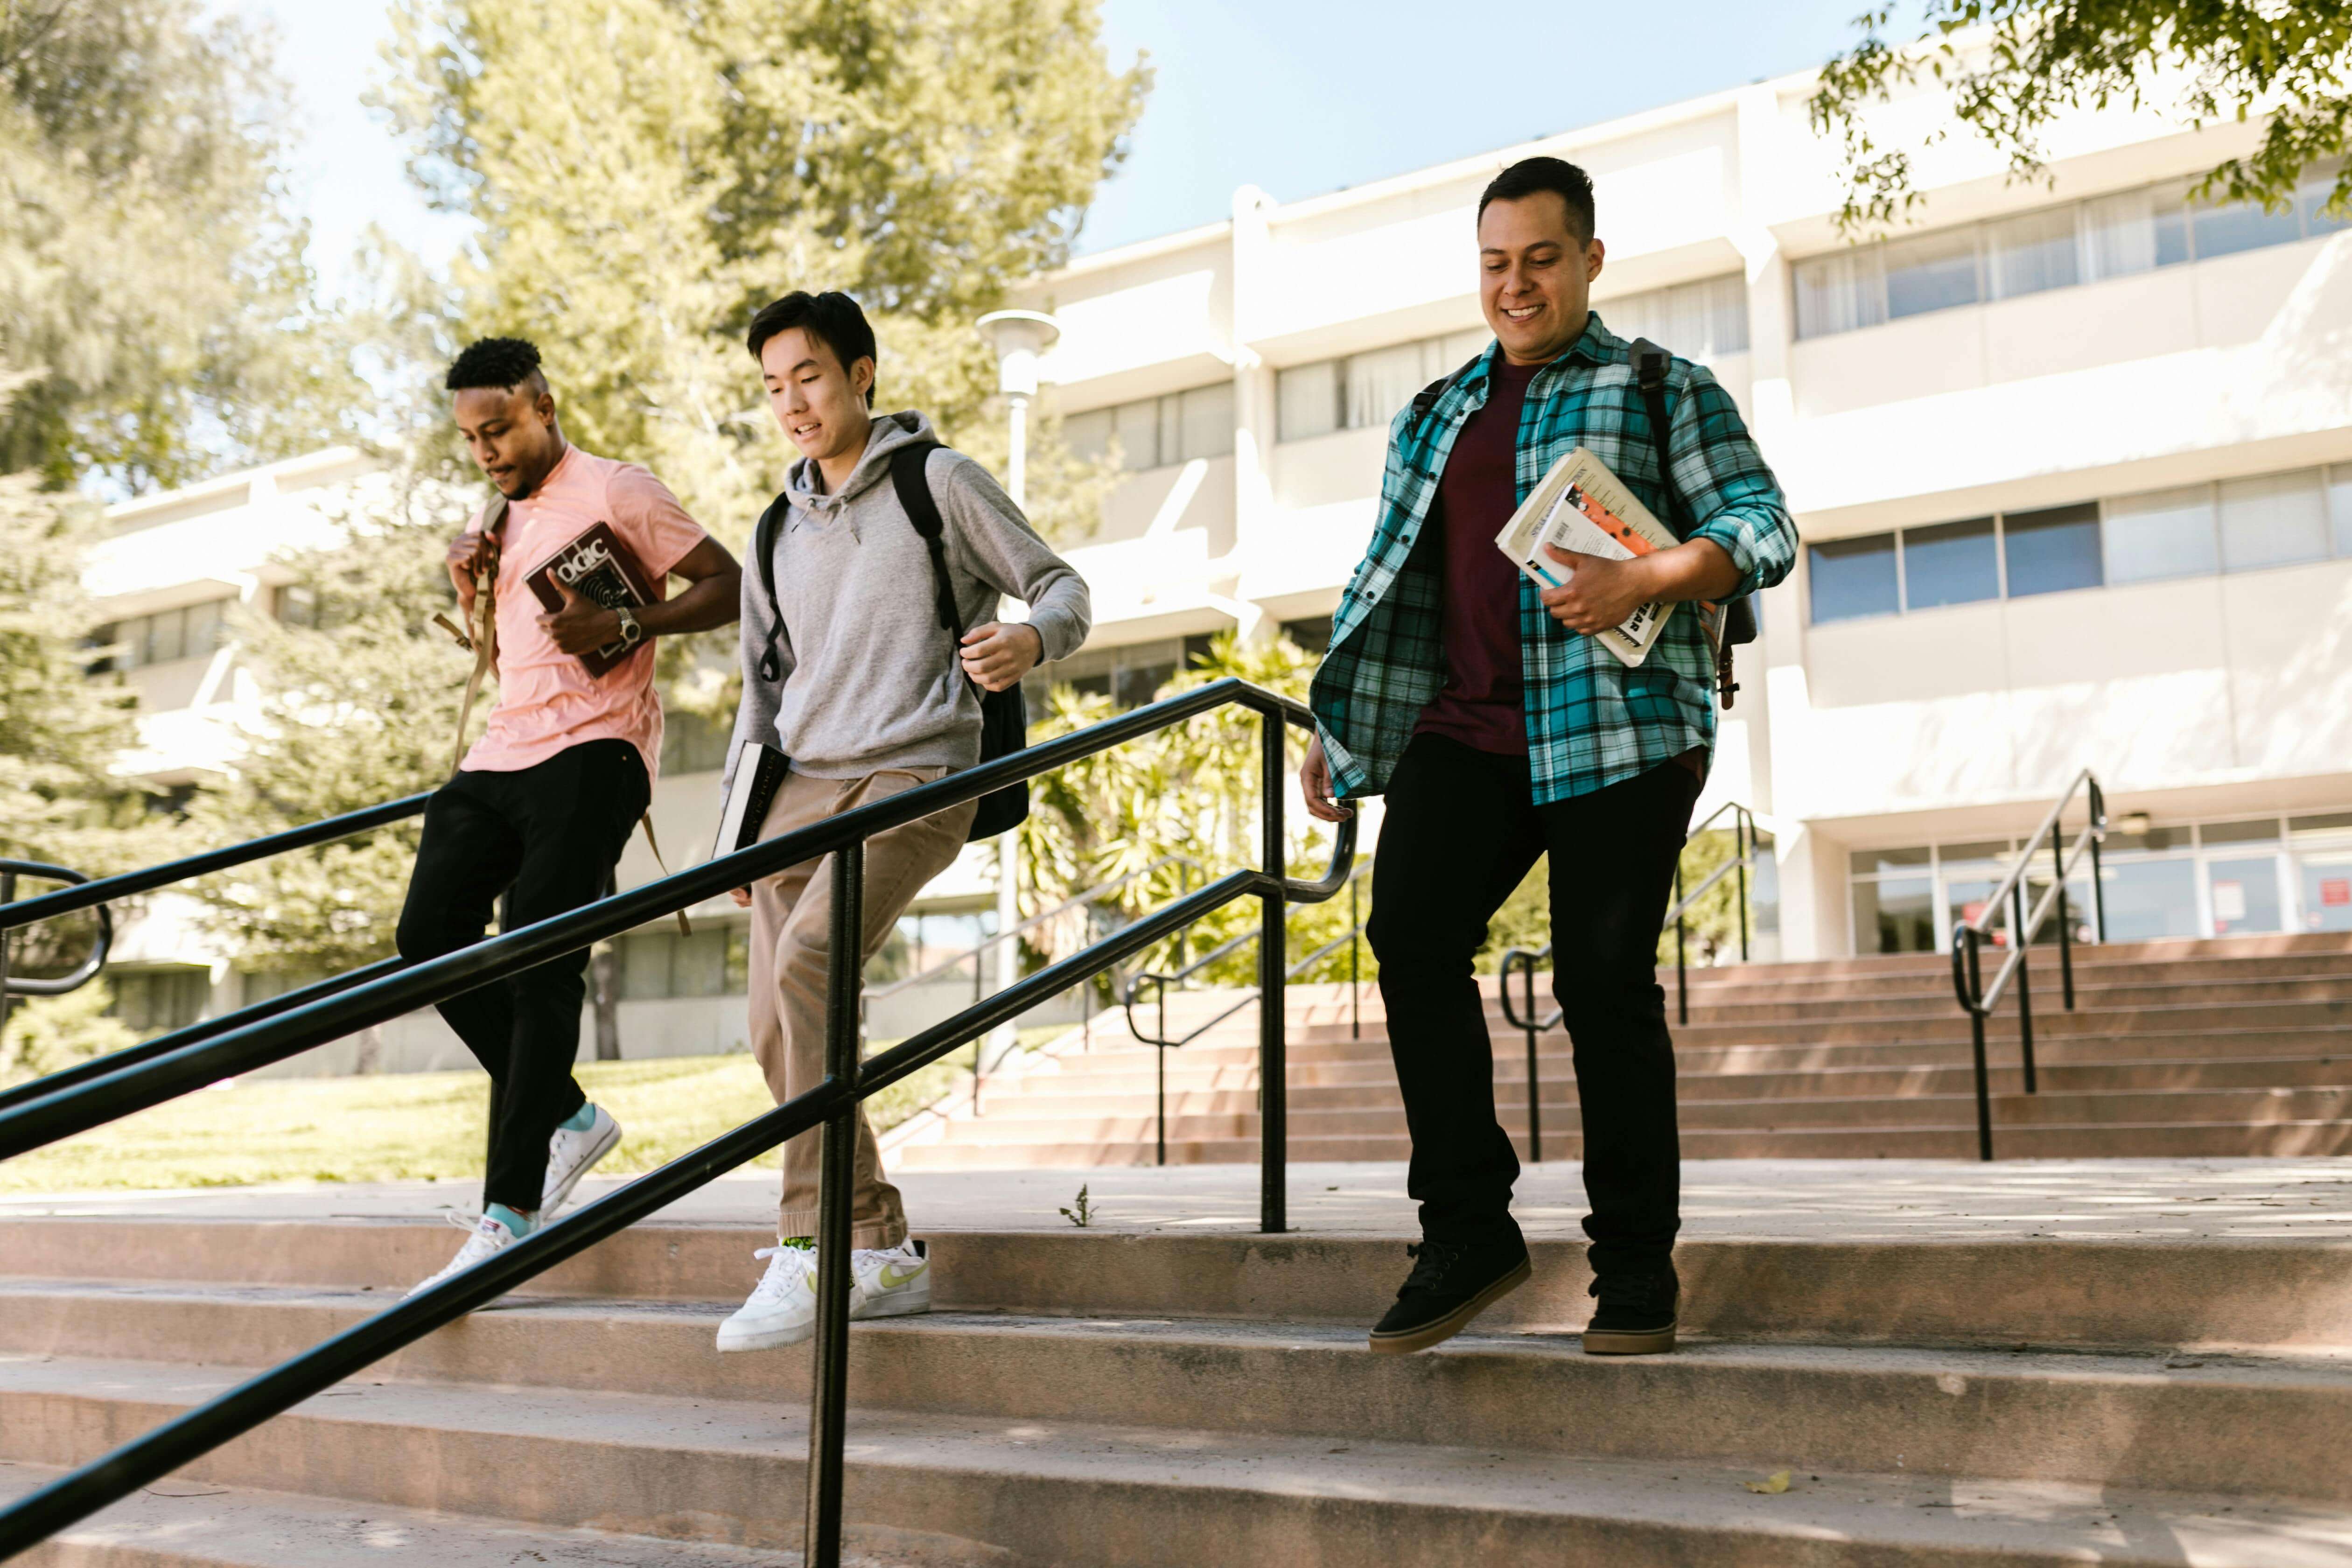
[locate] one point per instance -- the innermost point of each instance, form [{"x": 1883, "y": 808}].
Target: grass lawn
[{"x": 423, "y": 1126}]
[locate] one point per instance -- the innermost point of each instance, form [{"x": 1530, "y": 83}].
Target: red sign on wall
[{"x": 2335, "y": 890}]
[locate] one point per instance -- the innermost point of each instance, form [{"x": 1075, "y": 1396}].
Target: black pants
[
  {"x": 548, "y": 837},
  {"x": 1461, "y": 829}
]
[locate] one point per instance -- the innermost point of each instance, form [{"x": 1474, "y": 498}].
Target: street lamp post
[{"x": 1018, "y": 337}]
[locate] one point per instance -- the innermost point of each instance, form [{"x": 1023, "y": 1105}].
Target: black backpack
[
  {"x": 1650, "y": 363},
  {"x": 1003, "y": 715}
]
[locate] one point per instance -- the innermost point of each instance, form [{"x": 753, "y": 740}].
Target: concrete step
[
  {"x": 2239, "y": 1425},
  {"x": 76, "y": 1285},
  {"x": 1154, "y": 1498},
  {"x": 2170, "y": 1107},
  {"x": 1954, "y": 1141},
  {"x": 1769, "y": 982},
  {"x": 180, "y": 1524}
]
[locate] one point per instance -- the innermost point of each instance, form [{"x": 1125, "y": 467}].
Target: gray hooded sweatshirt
[{"x": 867, "y": 677}]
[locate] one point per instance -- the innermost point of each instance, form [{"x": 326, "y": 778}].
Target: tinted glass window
[
  {"x": 2050, "y": 552},
  {"x": 2167, "y": 534},
  {"x": 1854, "y": 577},
  {"x": 1950, "y": 563},
  {"x": 1934, "y": 272},
  {"x": 2273, "y": 521},
  {"x": 2231, "y": 226}
]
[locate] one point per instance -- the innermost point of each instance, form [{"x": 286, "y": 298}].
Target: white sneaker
[
  {"x": 570, "y": 1155},
  {"x": 489, "y": 1235},
  {"x": 783, "y": 1307},
  {"x": 890, "y": 1282}
]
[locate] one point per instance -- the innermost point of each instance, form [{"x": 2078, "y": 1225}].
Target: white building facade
[{"x": 2073, "y": 463}]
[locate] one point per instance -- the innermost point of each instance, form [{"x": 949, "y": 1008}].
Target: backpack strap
[
  {"x": 1650, "y": 363},
  {"x": 763, "y": 561},
  {"x": 907, "y": 476},
  {"x": 1424, "y": 402}
]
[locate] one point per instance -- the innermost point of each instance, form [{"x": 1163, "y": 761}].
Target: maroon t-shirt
[{"x": 1479, "y": 625}]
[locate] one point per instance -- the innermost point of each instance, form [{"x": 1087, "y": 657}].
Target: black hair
[
  {"x": 833, "y": 317},
  {"x": 494, "y": 361},
  {"x": 1530, "y": 176}
]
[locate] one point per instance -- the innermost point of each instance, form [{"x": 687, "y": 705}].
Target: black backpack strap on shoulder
[
  {"x": 1424, "y": 402},
  {"x": 909, "y": 478},
  {"x": 1650, "y": 365},
  {"x": 763, "y": 561}
]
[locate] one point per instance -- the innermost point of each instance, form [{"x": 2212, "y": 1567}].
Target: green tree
[
  {"x": 2036, "y": 61},
  {"x": 359, "y": 708},
  {"x": 150, "y": 278},
  {"x": 46, "y": 1034},
  {"x": 645, "y": 173}
]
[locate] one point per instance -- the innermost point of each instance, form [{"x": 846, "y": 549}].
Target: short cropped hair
[
  {"x": 1530, "y": 176},
  {"x": 833, "y": 317},
  {"x": 494, "y": 361}
]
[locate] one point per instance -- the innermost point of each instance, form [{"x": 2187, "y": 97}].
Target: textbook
[
  {"x": 598, "y": 567},
  {"x": 1581, "y": 507},
  {"x": 759, "y": 774}
]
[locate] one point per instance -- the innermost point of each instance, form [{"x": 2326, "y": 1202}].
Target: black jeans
[
  {"x": 1461, "y": 829},
  {"x": 548, "y": 837}
]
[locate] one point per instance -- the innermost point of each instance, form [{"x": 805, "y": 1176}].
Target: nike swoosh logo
[{"x": 893, "y": 1275}]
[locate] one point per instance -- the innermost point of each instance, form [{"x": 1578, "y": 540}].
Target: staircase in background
[{"x": 2231, "y": 1046}]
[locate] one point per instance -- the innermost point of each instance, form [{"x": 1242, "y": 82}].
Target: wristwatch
[{"x": 632, "y": 633}]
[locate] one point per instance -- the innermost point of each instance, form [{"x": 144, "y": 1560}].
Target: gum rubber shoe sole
[
  {"x": 1620, "y": 1341},
  {"x": 1440, "y": 1330}
]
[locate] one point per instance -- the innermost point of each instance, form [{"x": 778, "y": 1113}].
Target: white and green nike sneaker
[{"x": 891, "y": 1282}]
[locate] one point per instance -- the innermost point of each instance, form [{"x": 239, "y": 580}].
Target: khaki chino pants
[{"x": 792, "y": 924}]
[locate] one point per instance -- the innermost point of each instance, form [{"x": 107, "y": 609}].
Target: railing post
[
  {"x": 2024, "y": 983},
  {"x": 1273, "y": 1005},
  {"x": 1743, "y": 836},
  {"x": 1968, "y": 937},
  {"x": 2099, "y": 883},
  {"x": 1355, "y": 984},
  {"x": 1682, "y": 972},
  {"x": 7, "y": 896},
  {"x": 829, "y": 1378},
  {"x": 2065, "y": 922},
  {"x": 1535, "y": 1085},
  {"x": 1160, "y": 1098}
]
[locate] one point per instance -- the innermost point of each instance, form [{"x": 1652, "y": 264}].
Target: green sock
[
  {"x": 581, "y": 1119},
  {"x": 523, "y": 1225}
]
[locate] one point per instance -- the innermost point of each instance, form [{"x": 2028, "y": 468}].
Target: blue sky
[{"x": 1295, "y": 96}]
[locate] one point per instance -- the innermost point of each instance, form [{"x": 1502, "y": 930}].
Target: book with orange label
[
  {"x": 597, "y": 566},
  {"x": 1583, "y": 507}
]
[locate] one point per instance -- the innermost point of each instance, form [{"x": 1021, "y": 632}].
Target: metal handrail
[
  {"x": 1978, "y": 999},
  {"x": 1134, "y": 986},
  {"x": 83, "y": 972},
  {"x": 66, "y": 900},
  {"x": 833, "y": 1103},
  {"x": 1525, "y": 959}
]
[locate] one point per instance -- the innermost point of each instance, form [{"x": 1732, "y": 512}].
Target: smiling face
[
  {"x": 1536, "y": 276},
  {"x": 513, "y": 434},
  {"x": 819, "y": 404}
]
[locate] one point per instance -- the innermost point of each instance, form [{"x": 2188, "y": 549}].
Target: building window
[
  {"x": 2056, "y": 247},
  {"x": 1854, "y": 577},
  {"x": 152, "y": 1001},
  {"x": 297, "y": 605},
  {"x": 2051, "y": 551},
  {"x": 1702, "y": 321},
  {"x": 1950, "y": 563},
  {"x": 2236, "y": 525},
  {"x": 656, "y": 965},
  {"x": 192, "y": 631},
  {"x": 1129, "y": 676},
  {"x": 1314, "y": 634},
  {"x": 692, "y": 743},
  {"x": 1154, "y": 432},
  {"x": 1366, "y": 389}
]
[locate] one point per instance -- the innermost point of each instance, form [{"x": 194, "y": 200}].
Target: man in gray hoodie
[{"x": 851, "y": 675}]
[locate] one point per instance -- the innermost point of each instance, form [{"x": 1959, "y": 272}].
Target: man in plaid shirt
[{"x": 1500, "y": 731}]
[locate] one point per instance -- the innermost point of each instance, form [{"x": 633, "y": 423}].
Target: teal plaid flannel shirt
[{"x": 1592, "y": 720}]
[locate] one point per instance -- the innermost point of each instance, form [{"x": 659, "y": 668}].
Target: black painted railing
[
  {"x": 1351, "y": 939},
  {"x": 14, "y": 985},
  {"x": 831, "y": 1105},
  {"x": 1522, "y": 961},
  {"x": 2006, "y": 903}
]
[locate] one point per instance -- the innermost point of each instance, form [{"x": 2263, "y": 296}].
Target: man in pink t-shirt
[{"x": 540, "y": 807}]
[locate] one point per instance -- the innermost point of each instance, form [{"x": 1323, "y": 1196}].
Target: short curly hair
[{"x": 494, "y": 361}]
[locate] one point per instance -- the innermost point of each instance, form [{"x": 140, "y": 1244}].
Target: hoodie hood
[{"x": 891, "y": 432}]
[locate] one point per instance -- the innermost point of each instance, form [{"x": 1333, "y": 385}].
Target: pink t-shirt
[{"x": 547, "y": 702}]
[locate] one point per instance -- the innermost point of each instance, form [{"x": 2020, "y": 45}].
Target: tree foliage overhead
[
  {"x": 647, "y": 172},
  {"x": 152, "y": 281},
  {"x": 2034, "y": 61}
]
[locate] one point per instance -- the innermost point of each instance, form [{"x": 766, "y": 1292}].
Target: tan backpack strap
[
  {"x": 484, "y": 638},
  {"x": 684, "y": 928}
]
